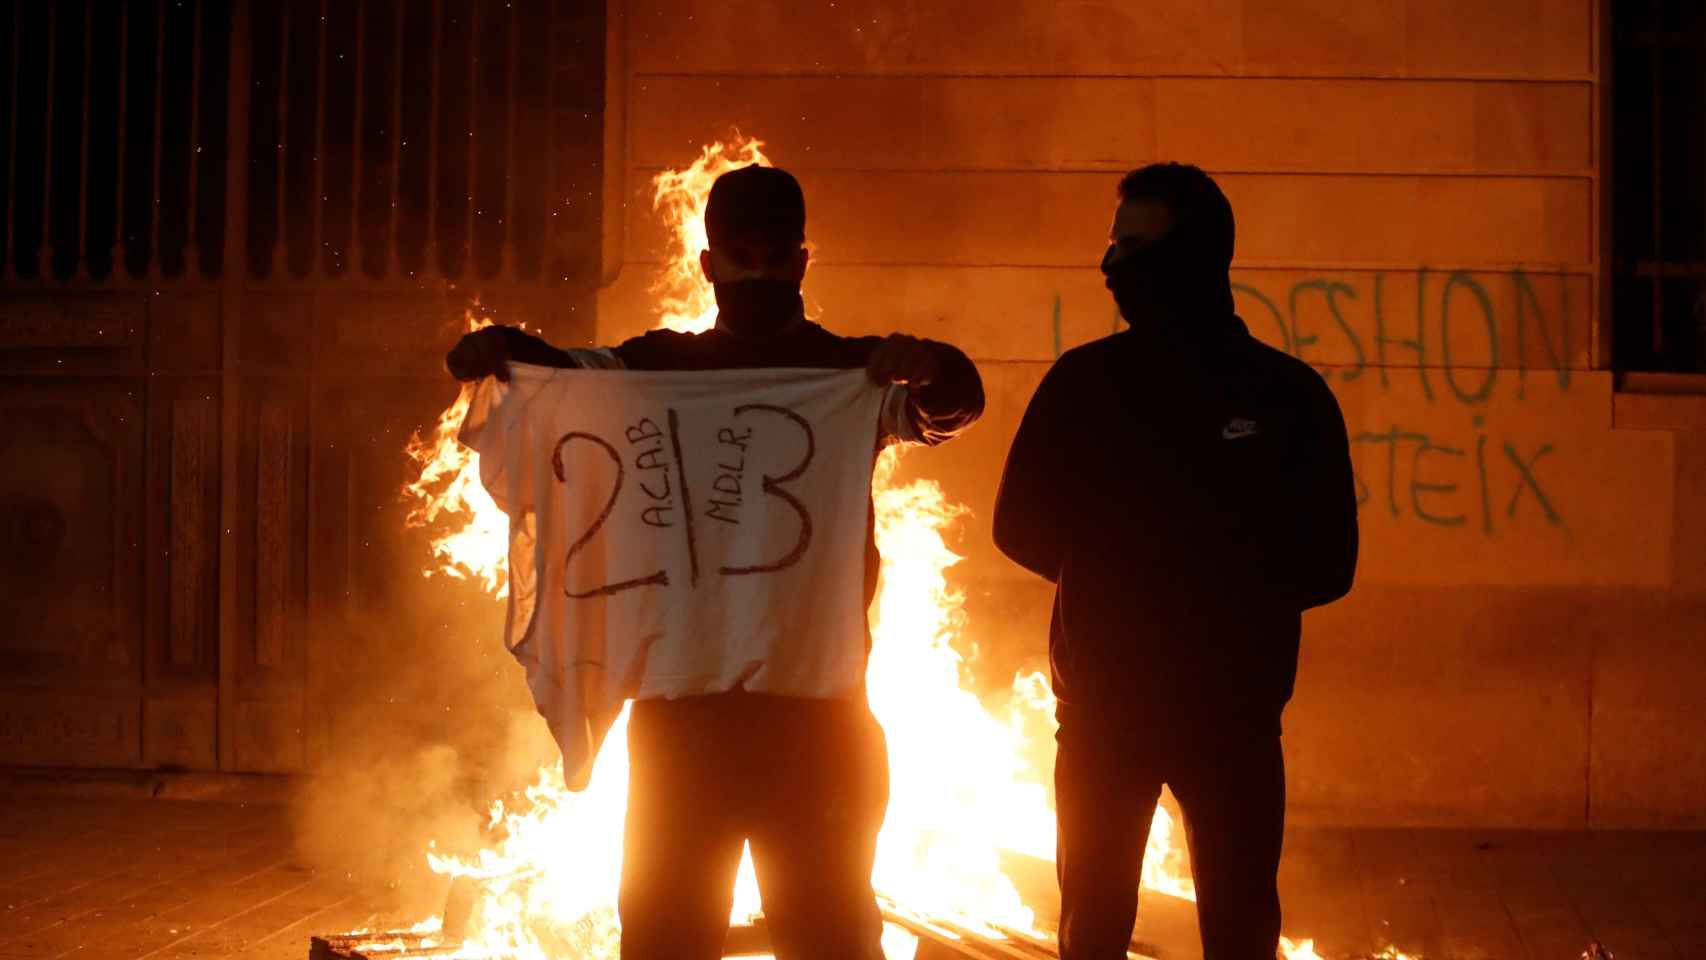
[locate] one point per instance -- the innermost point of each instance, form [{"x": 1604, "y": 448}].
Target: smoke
[
  {"x": 424, "y": 721},
  {"x": 419, "y": 717}
]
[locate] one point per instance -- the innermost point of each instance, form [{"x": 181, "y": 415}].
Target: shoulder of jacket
[
  {"x": 1291, "y": 376},
  {"x": 653, "y": 343},
  {"x": 1092, "y": 352},
  {"x": 846, "y": 350},
  {"x": 1278, "y": 363},
  {"x": 812, "y": 330},
  {"x": 663, "y": 335}
]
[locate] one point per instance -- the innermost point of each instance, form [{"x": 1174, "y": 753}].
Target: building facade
[
  {"x": 1424, "y": 202},
  {"x": 219, "y": 325}
]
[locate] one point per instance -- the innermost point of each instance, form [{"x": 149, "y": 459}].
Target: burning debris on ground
[{"x": 927, "y": 940}]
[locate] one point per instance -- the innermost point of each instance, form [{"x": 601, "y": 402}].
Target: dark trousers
[
  {"x": 804, "y": 781},
  {"x": 1231, "y": 790}
]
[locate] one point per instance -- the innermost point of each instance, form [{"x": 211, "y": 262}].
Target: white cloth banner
[{"x": 679, "y": 533}]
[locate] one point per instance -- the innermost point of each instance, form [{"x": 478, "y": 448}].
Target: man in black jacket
[
  {"x": 1188, "y": 490},
  {"x": 805, "y": 780}
]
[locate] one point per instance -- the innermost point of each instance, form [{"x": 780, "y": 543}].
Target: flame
[
  {"x": 685, "y": 301},
  {"x": 548, "y": 880},
  {"x": 967, "y": 781},
  {"x": 961, "y": 791},
  {"x": 1305, "y": 950},
  {"x": 473, "y": 537}
]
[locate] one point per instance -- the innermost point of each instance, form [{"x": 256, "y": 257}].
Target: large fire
[
  {"x": 967, "y": 782},
  {"x": 471, "y": 535}
]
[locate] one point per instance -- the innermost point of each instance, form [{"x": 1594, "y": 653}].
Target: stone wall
[{"x": 1419, "y": 202}]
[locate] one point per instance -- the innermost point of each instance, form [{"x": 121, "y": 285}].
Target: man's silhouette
[
  {"x": 803, "y": 778},
  {"x": 1189, "y": 492}
]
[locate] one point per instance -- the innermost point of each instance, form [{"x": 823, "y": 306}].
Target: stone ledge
[
  {"x": 1669, "y": 384},
  {"x": 1660, "y": 402}
]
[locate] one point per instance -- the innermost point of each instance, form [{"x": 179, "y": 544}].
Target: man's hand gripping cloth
[{"x": 675, "y": 534}]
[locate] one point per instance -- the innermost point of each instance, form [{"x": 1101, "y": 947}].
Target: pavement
[{"x": 142, "y": 871}]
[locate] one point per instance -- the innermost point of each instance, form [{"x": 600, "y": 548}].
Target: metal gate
[{"x": 238, "y": 237}]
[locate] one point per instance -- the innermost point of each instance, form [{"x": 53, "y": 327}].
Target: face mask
[
  {"x": 1138, "y": 280},
  {"x": 1162, "y": 281},
  {"x": 757, "y": 306}
]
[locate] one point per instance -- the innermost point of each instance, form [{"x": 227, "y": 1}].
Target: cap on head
[
  {"x": 1202, "y": 216},
  {"x": 756, "y": 203}
]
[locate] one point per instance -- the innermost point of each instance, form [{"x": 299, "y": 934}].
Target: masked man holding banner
[{"x": 692, "y": 528}]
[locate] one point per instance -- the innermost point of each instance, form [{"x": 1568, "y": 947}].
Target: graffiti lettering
[
  {"x": 1468, "y": 340},
  {"x": 1527, "y": 481},
  {"x": 1432, "y": 489},
  {"x": 1330, "y": 315},
  {"x": 1491, "y": 372}
]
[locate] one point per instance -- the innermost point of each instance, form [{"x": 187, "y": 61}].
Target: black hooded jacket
[{"x": 1189, "y": 496}]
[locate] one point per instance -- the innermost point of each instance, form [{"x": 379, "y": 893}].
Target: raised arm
[
  {"x": 944, "y": 392},
  {"x": 488, "y": 351},
  {"x": 943, "y": 408}
]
